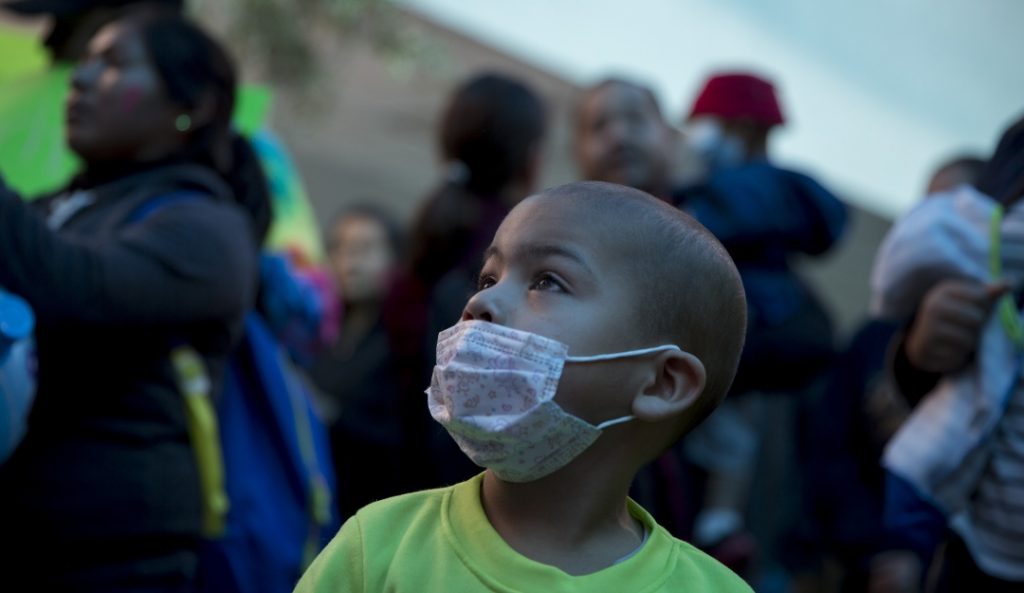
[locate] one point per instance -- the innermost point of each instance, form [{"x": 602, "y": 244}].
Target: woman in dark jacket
[{"x": 148, "y": 250}]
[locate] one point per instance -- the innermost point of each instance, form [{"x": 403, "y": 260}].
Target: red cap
[{"x": 739, "y": 96}]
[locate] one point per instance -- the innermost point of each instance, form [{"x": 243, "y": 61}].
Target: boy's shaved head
[{"x": 687, "y": 289}]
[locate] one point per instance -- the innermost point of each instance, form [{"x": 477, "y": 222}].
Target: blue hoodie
[{"x": 762, "y": 215}]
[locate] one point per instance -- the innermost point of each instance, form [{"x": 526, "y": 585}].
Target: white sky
[{"x": 877, "y": 92}]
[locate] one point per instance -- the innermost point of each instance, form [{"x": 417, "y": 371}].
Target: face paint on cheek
[{"x": 131, "y": 98}]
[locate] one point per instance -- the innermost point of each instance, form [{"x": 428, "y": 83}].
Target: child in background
[
  {"x": 649, "y": 311},
  {"x": 354, "y": 375}
]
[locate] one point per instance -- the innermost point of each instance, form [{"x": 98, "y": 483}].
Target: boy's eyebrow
[{"x": 539, "y": 251}]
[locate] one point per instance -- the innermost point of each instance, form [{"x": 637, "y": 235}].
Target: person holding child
[{"x": 954, "y": 265}]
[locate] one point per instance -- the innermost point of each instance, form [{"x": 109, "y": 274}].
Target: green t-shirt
[{"x": 441, "y": 541}]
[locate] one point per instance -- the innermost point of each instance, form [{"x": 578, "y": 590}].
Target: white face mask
[
  {"x": 718, "y": 149},
  {"x": 493, "y": 390}
]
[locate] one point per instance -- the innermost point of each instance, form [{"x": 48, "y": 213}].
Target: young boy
[{"x": 607, "y": 324}]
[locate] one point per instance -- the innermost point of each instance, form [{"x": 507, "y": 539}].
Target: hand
[{"x": 949, "y": 322}]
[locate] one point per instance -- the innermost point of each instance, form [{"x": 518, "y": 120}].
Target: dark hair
[
  {"x": 195, "y": 68},
  {"x": 610, "y": 81},
  {"x": 490, "y": 125},
  {"x": 249, "y": 185},
  {"x": 1002, "y": 177},
  {"x": 969, "y": 166},
  {"x": 487, "y": 134}
]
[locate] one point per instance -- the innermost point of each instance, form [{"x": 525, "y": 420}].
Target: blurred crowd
[{"x": 195, "y": 397}]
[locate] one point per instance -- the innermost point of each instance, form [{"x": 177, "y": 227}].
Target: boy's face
[{"x": 553, "y": 271}]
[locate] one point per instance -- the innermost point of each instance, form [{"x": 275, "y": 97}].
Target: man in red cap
[{"x": 765, "y": 216}]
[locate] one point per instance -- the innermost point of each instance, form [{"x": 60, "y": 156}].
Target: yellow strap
[
  {"x": 1009, "y": 317},
  {"x": 194, "y": 384},
  {"x": 319, "y": 503}
]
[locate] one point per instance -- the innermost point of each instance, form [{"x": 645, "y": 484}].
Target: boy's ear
[{"x": 676, "y": 385}]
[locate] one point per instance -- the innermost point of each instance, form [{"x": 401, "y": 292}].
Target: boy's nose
[{"x": 484, "y": 306}]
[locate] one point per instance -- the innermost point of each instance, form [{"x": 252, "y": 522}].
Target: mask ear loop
[
  {"x": 615, "y": 422},
  {"x": 617, "y": 355},
  {"x": 614, "y": 356}
]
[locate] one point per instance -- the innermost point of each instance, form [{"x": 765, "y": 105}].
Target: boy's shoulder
[
  {"x": 404, "y": 509},
  {"x": 701, "y": 572},
  {"x": 686, "y": 566},
  {"x": 387, "y": 543}
]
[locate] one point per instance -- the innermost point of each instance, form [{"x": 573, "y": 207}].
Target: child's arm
[{"x": 339, "y": 567}]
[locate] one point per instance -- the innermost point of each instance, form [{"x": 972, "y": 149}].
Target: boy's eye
[
  {"x": 546, "y": 281},
  {"x": 485, "y": 281}
]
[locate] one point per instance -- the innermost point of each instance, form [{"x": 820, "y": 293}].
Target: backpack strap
[
  {"x": 319, "y": 502},
  {"x": 200, "y": 415},
  {"x": 194, "y": 384}
]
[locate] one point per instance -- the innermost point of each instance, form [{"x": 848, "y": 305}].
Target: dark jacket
[
  {"x": 764, "y": 216},
  {"x": 107, "y": 469}
]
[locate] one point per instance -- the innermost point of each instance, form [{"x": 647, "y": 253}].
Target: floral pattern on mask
[{"x": 493, "y": 390}]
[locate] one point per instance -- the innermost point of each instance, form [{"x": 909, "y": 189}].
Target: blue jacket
[{"x": 763, "y": 215}]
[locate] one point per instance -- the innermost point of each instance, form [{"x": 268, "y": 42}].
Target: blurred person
[
  {"x": 139, "y": 273},
  {"x": 845, "y": 430},
  {"x": 622, "y": 137},
  {"x": 354, "y": 374},
  {"x": 955, "y": 171},
  {"x": 34, "y": 83},
  {"x": 36, "y": 158},
  {"x": 955, "y": 264},
  {"x": 490, "y": 137},
  {"x": 766, "y": 216}
]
